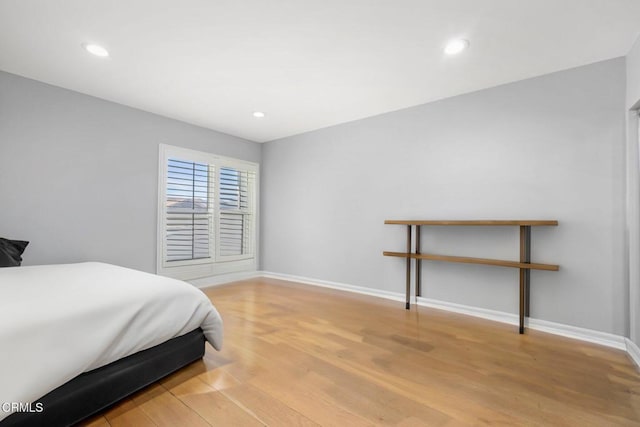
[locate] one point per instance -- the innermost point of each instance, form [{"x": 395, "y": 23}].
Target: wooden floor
[{"x": 296, "y": 355}]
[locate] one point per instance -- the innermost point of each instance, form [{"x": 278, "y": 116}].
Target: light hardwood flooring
[{"x": 297, "y": 355}]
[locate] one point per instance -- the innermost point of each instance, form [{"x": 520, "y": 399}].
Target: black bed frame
[{"x": 93, "y": 391}]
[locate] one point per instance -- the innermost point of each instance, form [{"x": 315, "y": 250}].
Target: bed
[{"x": 75, "y": 338}]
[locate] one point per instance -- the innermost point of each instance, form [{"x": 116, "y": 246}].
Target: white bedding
[{"x": 57, "y": 321}]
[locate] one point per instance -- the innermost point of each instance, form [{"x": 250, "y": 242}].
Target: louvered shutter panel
[
  {"x": 236, "y": 219},
  {"x": 189, "y": 201}
]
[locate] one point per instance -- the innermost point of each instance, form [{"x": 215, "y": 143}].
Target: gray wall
[
  {"x": 551, "y": 147},
  {"x": 78, "y": 178},
  {"x": 78, "y": 175}
]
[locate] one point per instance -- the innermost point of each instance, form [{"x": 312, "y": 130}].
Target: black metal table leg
[
  {"x": 525, "y": 273},
  {"x": 418, "y": 265},
  {"x": 408, "y": 290}
]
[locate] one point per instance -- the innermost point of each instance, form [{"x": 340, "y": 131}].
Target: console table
[{"x": 524, "y": 264}]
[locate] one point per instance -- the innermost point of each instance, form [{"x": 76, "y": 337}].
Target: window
[{"x": 207, "y": 214}]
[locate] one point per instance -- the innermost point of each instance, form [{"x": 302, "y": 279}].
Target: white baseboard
[
  {"x": 497, "y": 316},
  {"x": 222, "y": 279},
  {"x": 633, "y": 351},
  {"x": 335, "y": 285},
  {"x": 582, "y": 334}
]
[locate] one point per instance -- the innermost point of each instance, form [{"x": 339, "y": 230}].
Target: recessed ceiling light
[
  {"x": 96, "y": 50},
  {"x": 456, "y": 46},
  {"x": 258, "y": 114}
]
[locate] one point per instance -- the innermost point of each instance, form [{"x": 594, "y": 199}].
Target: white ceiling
[{"x": 306, "y": 64}]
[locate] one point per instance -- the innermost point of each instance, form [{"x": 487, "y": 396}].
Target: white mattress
[{"x": 58, "y": 321}]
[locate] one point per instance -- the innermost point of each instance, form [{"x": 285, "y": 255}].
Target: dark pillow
[{"x": 10, "y": 251}]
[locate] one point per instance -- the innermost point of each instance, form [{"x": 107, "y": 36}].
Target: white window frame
[{"x": 216, "y": 264}]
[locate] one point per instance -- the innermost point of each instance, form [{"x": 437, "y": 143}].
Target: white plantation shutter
[
  {"x": 235, "y": 218},
  {"x": 189, "y": 210},
  {"x": 207, "y": 214}
]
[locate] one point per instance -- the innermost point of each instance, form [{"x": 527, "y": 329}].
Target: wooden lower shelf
[{"x": 469, "y": 260}]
